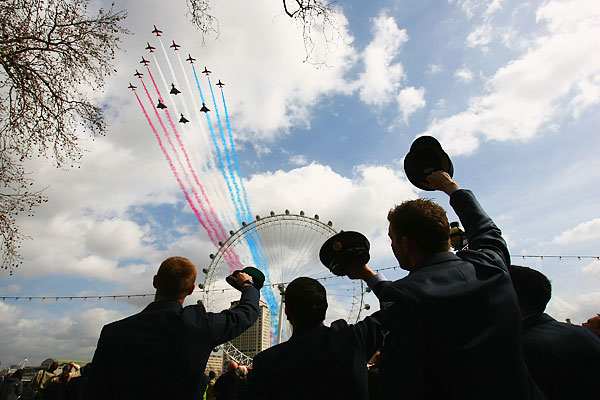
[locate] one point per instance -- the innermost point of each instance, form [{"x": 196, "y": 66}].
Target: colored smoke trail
[
  {"x": 252, "y": 239},
  {"x": 170, "y": 162},
  {"x": 219, "y": 230},
  {"x": 210, "y": 164},
  {"x": 219, "y": 156},
  {"x": 245, "y": 202}
]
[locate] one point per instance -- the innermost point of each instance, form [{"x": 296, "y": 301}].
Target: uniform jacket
[
  {"x": 564, "y": 359},
  {"x": 318, "y": 362},
  {"x": 455, "y": 325},
  {"x": 161, "y": 353}
]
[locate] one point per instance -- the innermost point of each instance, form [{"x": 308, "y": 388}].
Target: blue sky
[{"x": 510, "y": 88}]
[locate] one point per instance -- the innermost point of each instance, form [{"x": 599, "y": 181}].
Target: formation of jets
[{"x": 174, "y": 90}]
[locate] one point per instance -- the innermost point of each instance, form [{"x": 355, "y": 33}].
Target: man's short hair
[
  {"x": 175, "y": 277},
  {"x": 306, "y": 301},
  {"x": 423, "y": 221},
  {"x": 532, "y": 287}
]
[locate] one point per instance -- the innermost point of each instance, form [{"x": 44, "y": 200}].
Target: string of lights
[{"x": 129, "y": 296}]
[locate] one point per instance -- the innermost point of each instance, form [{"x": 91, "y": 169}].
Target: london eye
[{"x": 284, "y": 247}]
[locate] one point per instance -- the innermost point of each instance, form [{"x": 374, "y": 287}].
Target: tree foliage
[{"x": 51, "y": 53}]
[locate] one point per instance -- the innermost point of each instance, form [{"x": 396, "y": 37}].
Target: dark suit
[
  {"x": 161, "y": 352},
  {"x": 564, "y": 359},
  {"x": 455, "y": 325},
  {"x": 317, "y": 363}
]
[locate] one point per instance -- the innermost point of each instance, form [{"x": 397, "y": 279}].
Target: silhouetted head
[
  {"x": 212, "y": 374},
  {"x": 18, "y": 374},
  {"x": 86, "y": 369},
  {"x": 53, "y": 367},
  {"x": 305, "y": 302},
  {"x": 532, "y": 287},
  {"x": 232, "y": 366},
  {"x": 67, "y": 368},
  {"x": 175, "y": 278},
  {"x": 593, "y": 324},
  {"x": 418, "y": 224}
]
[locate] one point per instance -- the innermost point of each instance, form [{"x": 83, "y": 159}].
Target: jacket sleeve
[
  {"x": 482, "y": 234},
  {"x": 230, "y": 323}
]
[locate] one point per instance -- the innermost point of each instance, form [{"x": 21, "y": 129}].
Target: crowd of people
[
  {"x": 460, "y": 325},
  {"x": 51, "y": 383}
]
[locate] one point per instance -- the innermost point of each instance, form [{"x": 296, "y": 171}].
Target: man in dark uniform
[
  {"x": 563, "y": 359},
  {"x": 454, "y": 326},
  {"x": 167, "y": 344},
  {"x": 317, "y": 362}
]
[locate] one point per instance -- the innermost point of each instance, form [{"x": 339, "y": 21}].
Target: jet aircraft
[
  {"x": 160, "y": 105},
  {"x": 150, "y": 47},
  {"x": 156, "y": 31},
  {"x": 220, "y": 84},
  {"x": 144, "y": 61},
  {"x": 138, "y": 74},
  {"x": 190, "y": 59},
  {"x": 175, "y": 46},
  {"x": 174, "y": 89},
  {"x": 204, "y": 109},
  {"x": 131, "y": 86},
  {"x": 183, "y": 120},
  {"x": 206, "y": 71}
]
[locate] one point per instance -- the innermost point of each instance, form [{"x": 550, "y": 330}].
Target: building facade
[
  {"x": 258, "y": 337},
  {"x": 215, "y": 363}
]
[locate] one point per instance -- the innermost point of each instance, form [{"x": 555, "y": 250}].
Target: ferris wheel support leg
[{"x": 282, "y": 291}]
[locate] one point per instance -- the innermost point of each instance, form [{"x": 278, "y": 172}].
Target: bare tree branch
[{"x": 51, "y": 52}]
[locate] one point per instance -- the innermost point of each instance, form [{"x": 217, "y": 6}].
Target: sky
[{"x": 510, "y": 88}]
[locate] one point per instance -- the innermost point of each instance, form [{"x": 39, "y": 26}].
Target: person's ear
[
  {"x": 191, "y": 289},
  {"x": 405, "y": 243},
  {"x": 155, "y": 281}
]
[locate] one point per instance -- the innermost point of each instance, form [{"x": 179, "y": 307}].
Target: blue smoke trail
[
  {"x": 255, "y": 248},
  {"x": 245, "y": 203},
  {"x": 227, "y": 156},
  {"x": 268, "y": 292},
  {"x": 219, "y": 157}
]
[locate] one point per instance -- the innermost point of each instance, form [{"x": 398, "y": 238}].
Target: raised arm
[{"x": 230, "y": 323}]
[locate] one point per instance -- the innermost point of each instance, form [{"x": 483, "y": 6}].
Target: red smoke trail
[
  {"x": 164, "y": 150},
  {"x": 219, "y": 229}
]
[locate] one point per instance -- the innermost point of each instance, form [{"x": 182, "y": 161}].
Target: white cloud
[
  {"x": 527, "y": 94},
  {"x": 434, "y": 69},
  {"x": 592, "y": 270},
  {"x": 370, "y": 193},
  {"x": 588, "y": 231},
  {"x": 481, "y": 36},
  {"x": 298, "y": 160},
  {"x": 410, "y": 99},
  {"x": 38, "y": 338},
  {"x": 464, "y": 74},
  {"x": 382, "y": 76}
]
